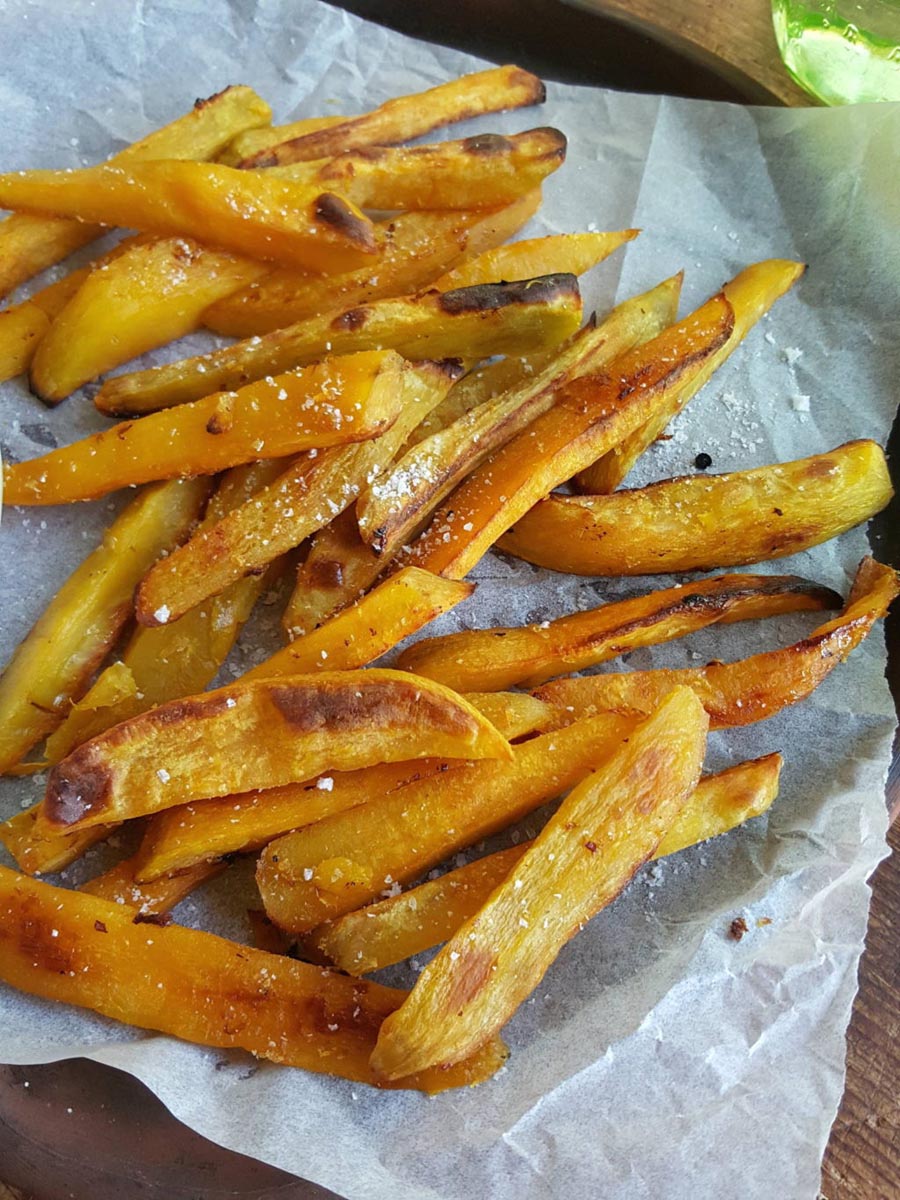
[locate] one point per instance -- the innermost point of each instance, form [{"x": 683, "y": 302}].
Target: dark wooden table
[{"x": 721, "y": 49}]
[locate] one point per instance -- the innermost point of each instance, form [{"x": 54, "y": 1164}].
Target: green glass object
[{"x": 841, "y": 51}]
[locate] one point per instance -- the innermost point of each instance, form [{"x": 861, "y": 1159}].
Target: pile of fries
[{"x": 409, "y": 389}]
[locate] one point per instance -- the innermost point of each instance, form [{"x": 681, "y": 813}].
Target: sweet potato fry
[
  {"x": 405, "y": 117},
  {"x": 751, "y": 689},
  {"x": 375, "y": 624},
  {"x": 315, "y": 488},
  {"x": 179, "y": 838},
  {"x": 494, "y": 659},
  {"x": 573, "y": 252},
  {"x": 499, "y": 318},
  {"x": 41, "y": 852},
  {"x": 120, "y": 886},
  {"x": 328, "y": 404},
  {"x": 168, "y": 661},
  {"x": 485, "y": 171},
  {"x": 252, "y": 214},
  {"x": 339, "y": 568},
  {"x": 28, "y": 244},
  {"x": 53, "y": 664},
  {"x": 603, "y": 832},
  {"x": 84, "y": 950},
  {"x": 399, "y": 927},
  {"x": 699, "y": 522},
  {"x": 243, "y": 145},
  {"x": 395, "y": 505},
  {"x": 414, "y": 249},
  {"x": 289, "y": 728},
  {"x": 151, "y": 295},
  {"x": 348, "y": 859},
  {"x": 750, "y": 294},
  {"x": 592, "y": 414}
]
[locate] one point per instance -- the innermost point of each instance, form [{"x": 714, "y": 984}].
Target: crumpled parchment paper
[{"x": 658, "y": 1057}]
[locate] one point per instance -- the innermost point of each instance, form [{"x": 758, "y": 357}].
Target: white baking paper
[{"x": 658, "y": 1057}]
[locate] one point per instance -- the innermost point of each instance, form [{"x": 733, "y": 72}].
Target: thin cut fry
[
  {"x": 316, "y": 487},
  {"x": 394, "y": 506},
  {"x": 405, "y": 117},
  {"x": 146, "y": 297},
  {"x": 120, "y": 886},
  {"x": 179, "y": 838},
  {"x": 339, "y": 568},
  {"x": 751, "y": 689},
  {"x": 84, "y": 950},
  {"x": 28, "y": 244},
  {"x": 289, "y": 728},
  {"x": 591, "y": 415},
  {"x": 573, "y": 252},
  {"x": 253, "y": 214},
  {"x": 750, "y": 294},
  {"x": 167, "y": 661},
  {"x": 485, "y": 171},
  {"x": 40, "y": 852},
  {"x": 604, "y": 831},
  {"x": 500, "y": 318},
  {"x": 399, "y": 927},
  {"x": 53, "y": 664},
  {"x": 414, "y": 249},
  {"x": 350, "y": 858},
  {"x": 494, "y": 659},
  {"x": 328, "y": 404},
  {"x": 700, "y": 522},
  {"x": 244, "y": 144},
  {"x": 397, "y": 608}
]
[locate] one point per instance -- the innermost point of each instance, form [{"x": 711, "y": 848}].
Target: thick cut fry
[
  {"x": 591, "y": 415},
  {"x": 414, "y": 249},
  {"x": 494, "y": 659},
  {"x": 244, "y": 144},
  {"x": 315, "y": 488},
  {"x": 485, "y": 171},
  {"x": 348, "y": 859},
  {"x": 397, "y": 928},
  {"x": 120, "y": 886},
  {"x": 167, "y": 661},
  {"x": 53, "y": 664},
  {"x": 604, "y": 831},
  {"x": 328, "y": 404},
  {"x": 257, "y": 215},
  {"x": 396, "y": 505},
  {"x": 22, "y": 326},
  {"x": 39, "y": 852},
  {"x": 288, "y": 729},
  {"x": 84, "y": 950},
  {"x": 699, "y": 522},
  {"x": 573, "y": 252},
  {"x": 397, "y": 608},
  {"x": 750, "y": 294},
  {"x": 751, "y": 689},
  {"x": 151, "y": 295},
  {"x": 179, "y": 838},
  {"x": 500, "y": 318},
  {"x": 339, "y": 567},
  {"x": 407, "y": 117},
  {"x": 29, "y": 244}
]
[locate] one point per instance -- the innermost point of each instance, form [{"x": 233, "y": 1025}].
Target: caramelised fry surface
[
  {"x": 700, "y": 522},
  {"x": 604, "y": 830},
  {"x": 347, "y": 860},
  {"x": 81, "y": 949},
  {"x": 530, "y": 654},
  {"x": 329, "y": 404},
  {"x": 288, "y": 729},
  {"x": 750, "y": 689},
  {"x": 391, "y": 930}
]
